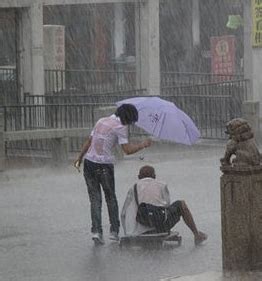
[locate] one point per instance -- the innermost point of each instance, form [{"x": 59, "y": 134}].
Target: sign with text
[
  {"x": 223, "y": 51},
  {"x": 257, "y": 23}
]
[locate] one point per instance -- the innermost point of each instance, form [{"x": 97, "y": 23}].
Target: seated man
[{"x": 150, "y": 190}]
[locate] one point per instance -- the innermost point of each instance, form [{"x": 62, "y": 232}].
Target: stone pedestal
[{"x": 241, "y": 217}]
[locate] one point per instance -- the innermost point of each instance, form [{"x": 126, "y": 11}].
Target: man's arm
[
  {"x": 131, "y": 148},
  {"x": 128, "y": 201}
]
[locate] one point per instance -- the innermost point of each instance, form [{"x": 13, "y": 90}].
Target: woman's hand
[
  {"x": 77, "y": 164},
  {"x": 147, "y": 143}
]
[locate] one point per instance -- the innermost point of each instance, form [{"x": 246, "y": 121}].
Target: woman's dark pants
[{"x": 97, "y": 176}]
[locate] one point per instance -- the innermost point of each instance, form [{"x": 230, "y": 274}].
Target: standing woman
[{"x": 99, "y": 160}]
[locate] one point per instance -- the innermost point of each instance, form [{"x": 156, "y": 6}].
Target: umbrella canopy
[{"x": 164, "y": 120}]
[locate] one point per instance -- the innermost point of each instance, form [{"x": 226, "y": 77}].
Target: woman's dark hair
[{"x": 127, "y": 113}]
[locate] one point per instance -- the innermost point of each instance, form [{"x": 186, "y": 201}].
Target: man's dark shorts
[{"x": 174, "y": 212}]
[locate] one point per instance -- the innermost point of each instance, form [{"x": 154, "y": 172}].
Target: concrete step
[{"x": 218, "y": 276}]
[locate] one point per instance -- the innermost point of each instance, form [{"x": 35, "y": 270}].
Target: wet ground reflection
[{"x": 45, "y": 221}]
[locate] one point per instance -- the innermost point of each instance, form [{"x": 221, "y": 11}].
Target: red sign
[{"x": 223, "y": 49}]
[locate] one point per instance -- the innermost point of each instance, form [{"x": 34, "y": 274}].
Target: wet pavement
[{"x": 45, "y": 221}]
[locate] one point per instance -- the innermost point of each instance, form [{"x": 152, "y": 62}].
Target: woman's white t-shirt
[{"x": 107, "y": 133}]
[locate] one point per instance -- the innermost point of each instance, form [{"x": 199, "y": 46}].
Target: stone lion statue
[{"x": 241, "y": 149}]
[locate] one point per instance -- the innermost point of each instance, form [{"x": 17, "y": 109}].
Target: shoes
[
  {"x": 98, "y": 238},
  {"x": 114, "y": 236}
]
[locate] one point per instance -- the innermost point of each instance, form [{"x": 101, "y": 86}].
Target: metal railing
[
  {"x": 88, "y": 80},
  {"x": 211, "y": 105},
  {"x": 49, "y": 116},
  {"x": 93, "y": 80},
  {"x": 52, "y": 116},
  {"x": 107, "y": 97},
  {"x": 234, "y": 87},
  {"x": 81, "y": 82},
  {"x": 191, "y": 78},
  {"x": 58, "y": 112},
  {"x": 8, "y": 85}
]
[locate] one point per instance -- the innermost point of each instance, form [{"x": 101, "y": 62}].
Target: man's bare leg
[{"x": 189, "y": 221}]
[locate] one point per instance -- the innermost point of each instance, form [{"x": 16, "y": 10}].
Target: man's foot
[
  {"x": 173, "y": 236},
  {"x": 113, "y": 236},
  {"x": 201, "y": 237},
  {"x": 98, "y": 238}
]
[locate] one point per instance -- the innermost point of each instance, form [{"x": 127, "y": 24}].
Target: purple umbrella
[{"x": 164, "y": 120}]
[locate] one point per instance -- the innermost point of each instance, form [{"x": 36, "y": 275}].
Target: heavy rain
[{"x": 64, "y": 65}]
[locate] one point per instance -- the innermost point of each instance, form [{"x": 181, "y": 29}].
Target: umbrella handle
[{"x": 142, "y": 155}]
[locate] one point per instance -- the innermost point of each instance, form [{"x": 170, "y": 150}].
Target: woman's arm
[
  {"x": 83, "y": 151},
  {"x": 131, "y": 148}
]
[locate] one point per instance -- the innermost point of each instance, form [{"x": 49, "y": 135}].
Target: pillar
[
  {"x": 36, "y": 15},
  {"x": 195, "y": 23},
  {"x": 252, "y": 57},
  {"x": 241, "y": 209},
  {"x": 2, "y": 142},
  {"x": 119, "y": 30},
  {"x": 31, "y": 56},
  {"x": 147, "y": 46},
  {"x": 24, "y": 51},
  {"x": 31, "y": 48}
]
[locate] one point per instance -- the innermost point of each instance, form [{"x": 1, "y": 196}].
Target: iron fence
[
  {"x": 58, "y": 112},
  {"x": 236, "y": 88},
  {"x": 99, "y": 81},
  {"x": 49, "y": 116},
  {"x": 8, "y": 85},
  {"x": 83, "y": 97},
  {"x": 53, "y": 116},
  {"x": 215, "y": 103},
  {"x": 92, "y": 81},
  {"x": 81, "y": 82},
  {"x": 191, "y": 78},
  {"x": 210, "y": 113},
  {"x": 211, "y": 105}
]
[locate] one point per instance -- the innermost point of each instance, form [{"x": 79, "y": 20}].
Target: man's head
[
  {"x": 147, "y": 172},
  {"x": 127, "y": 113}
]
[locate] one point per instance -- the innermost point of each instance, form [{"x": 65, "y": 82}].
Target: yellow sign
[{"x": 257, "y": 23}]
